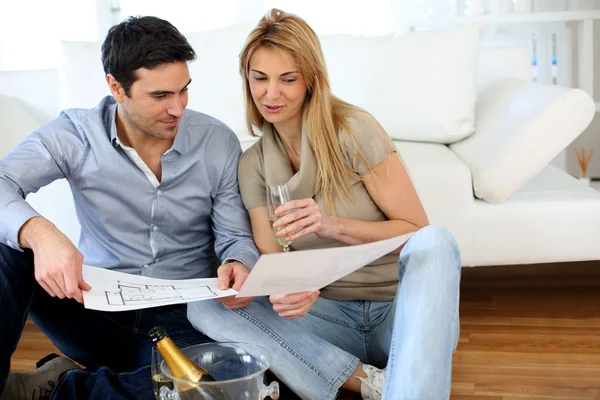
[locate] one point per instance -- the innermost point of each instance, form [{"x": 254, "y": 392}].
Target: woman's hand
[
  {"x": 303, "y": 217},
  {"x": 293, "y": 305}
]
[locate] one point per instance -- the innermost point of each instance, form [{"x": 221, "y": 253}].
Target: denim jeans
[
  {"x": 414, "y": 335},
  {"x": 114, "y": 346}
]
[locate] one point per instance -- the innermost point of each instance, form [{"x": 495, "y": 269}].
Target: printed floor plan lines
[
  {"x": 118, "y": 291},
  {"x": 127, "y": 293}
]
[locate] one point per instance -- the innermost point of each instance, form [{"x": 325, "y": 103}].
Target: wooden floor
[{"x": 527, "y": 332}]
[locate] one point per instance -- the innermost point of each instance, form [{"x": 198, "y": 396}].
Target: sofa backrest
[
  {"x": 216, "y": 90},
  {"x": 217, "y": 87}
]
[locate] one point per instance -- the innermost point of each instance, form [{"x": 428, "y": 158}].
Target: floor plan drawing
[
  {"x": 118, "y": 291},
  {"x": 127, "y": 293}
]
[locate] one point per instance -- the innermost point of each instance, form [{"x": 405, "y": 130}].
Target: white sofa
[{"x": 485, "y": 175}]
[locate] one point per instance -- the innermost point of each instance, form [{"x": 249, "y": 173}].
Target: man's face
[{"x": 156, "y": 100}]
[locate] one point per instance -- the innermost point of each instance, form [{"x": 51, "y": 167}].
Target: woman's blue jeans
[{"x": 414, "y": 335}]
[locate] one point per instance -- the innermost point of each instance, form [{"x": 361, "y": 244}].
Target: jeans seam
[
  {"x": 343, "y": 377},
  {"x": 456, "y": 308},
  {"x": 335, "y": 320},
  {"x": 281, "y": 342},
  {"x": 367, "y": 331}
]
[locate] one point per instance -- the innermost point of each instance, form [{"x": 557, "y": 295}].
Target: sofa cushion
[
  {"x": 420, "y": 86},
  {"x": 443, "y": 184},
  {"x": 552, "y": 218},
  {"x": 521, "y": 127}
]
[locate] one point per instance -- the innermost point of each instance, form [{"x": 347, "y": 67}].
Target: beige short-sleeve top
[{"x": 267, "y": 161}]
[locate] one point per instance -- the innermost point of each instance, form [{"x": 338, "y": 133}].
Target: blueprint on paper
[{"x": 117, "y": 291}]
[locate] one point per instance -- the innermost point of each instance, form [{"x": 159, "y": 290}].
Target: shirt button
[
  {"x": 157, "y": 260},
  {"x": 9, "y": 243},
  {"x": 146, "y": 266},
  {"x": 159, "y": 192},
  {"x": 154, "y": 227}
]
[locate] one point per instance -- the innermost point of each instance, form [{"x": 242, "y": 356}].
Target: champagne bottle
[{"x": 180, "y": 365}]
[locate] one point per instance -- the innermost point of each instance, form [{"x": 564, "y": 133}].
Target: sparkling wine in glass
[
  {"x": 277, "y": 195},
  {"x": 159, "y": 379}
]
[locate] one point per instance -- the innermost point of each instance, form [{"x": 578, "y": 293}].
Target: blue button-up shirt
[{"x": 173, "y": 230}]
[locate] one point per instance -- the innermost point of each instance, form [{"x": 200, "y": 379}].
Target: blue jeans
[
  {"x": 114, "y": 346},
  {"x": 414, "y": 335}
]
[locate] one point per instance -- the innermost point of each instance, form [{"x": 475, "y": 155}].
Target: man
[{"x": 156, "y": 194}]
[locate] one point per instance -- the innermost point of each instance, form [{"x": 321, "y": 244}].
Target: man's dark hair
[{"x": 142, "y": 42}]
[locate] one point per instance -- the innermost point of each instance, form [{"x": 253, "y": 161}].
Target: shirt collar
[{"x": 113, "y": 124}]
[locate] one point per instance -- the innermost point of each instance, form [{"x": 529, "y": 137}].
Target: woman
[{"x": 349, "y": 187}]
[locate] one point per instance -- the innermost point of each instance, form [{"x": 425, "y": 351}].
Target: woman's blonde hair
[{"x": 324, "y": 114}]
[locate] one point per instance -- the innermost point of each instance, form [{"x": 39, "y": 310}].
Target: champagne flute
[
  {"x": 159, "y": 379},
  {"x": 277, "y": 195}
]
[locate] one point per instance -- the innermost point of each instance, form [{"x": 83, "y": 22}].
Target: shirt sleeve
[
  {"x": 46, "y": 155},
  {"x": 231, "y": 223},
  {"x": 366, "y": 144},
  {"x": 252, "y": 178}
]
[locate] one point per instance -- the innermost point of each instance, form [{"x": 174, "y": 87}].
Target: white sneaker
[{"x": 371, "y": 387}]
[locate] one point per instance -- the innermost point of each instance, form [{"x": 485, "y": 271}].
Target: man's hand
[
  {"x": 293, "y": 305},
  {"x": 233, "y": 275},
  {"x": 58, "y": 263}
]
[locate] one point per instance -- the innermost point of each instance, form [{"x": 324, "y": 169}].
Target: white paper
[
  {"x": 117, "y": 291},
  {"x": 310, "y": 270}
]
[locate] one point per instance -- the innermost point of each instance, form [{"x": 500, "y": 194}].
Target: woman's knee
[
  {"x": 434, "y": 238},
  {"x": 431, "y": 243}
]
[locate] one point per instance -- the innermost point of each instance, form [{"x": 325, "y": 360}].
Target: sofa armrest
[{"x": 520, "y": 127}]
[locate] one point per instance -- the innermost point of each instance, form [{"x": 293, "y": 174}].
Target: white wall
[
  {"x": 590, "y": 139},
  {"x": 37, "y": 88}
]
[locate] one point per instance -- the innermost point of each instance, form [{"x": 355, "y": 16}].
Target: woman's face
[{"x": 278, "y": 89}]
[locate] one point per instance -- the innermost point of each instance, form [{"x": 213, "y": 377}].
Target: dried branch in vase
[{"x": 583, "y": 158}]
